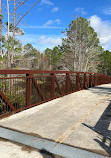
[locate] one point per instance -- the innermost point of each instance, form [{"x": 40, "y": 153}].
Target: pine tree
[{"x": 81, "y": 46}]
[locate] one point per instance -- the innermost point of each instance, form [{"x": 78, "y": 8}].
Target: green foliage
[
  {"x": 1, "y": 16},
  {"x": 7, "y": 45},
  {"x": 105, "y": 64},
  {"x": 54, "y": 55},
  {"x": 82, "y": 29},
  {"x": 18, "y": 31},
  {"x": 29, "y": 50}
]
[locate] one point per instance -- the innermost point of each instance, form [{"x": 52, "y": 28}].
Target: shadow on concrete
[
  {"x": 102, "y": 128},
  {"x": 101, "y": 90},
  {"x": 46, "y": 154}
]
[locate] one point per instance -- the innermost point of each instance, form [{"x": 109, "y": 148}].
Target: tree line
[{"x": 80, "y": 49}]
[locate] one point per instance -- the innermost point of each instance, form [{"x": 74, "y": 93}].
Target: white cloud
[
  {"x": 42, "y": 27},
  {"x": 81, "y": 11},
  {"x": 55, "y": 9},
  {"x": 103, "y": 28},
  {"x": 107, "y": 11},
  {"x": 49, "y": 40},
  {"x": 48, "y": 2},
  {"x": 28, "y": 38},
  {"x": 41, "y": 42},
  {"x": 50, "y": 22},
  {"x": 58, "y": 21}
]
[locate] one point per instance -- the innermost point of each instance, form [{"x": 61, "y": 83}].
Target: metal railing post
[
  {"x": 90, "y": 80},
  {"x": 84, "y": 86},
  {"x": 77, "y": 81},
  {"x": 52, "y": 85},
  {"x": 95, "y": 80},
  {"x": 67, "y": 83},
  {"x": 28, "y": 89}
]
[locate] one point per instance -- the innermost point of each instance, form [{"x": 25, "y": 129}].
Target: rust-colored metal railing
[{"x": 22, "y": 89}]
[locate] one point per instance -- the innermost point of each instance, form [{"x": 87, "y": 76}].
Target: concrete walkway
[{"x": 81, "y": 119}]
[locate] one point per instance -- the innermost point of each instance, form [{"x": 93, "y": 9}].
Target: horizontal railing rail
[{"x": 22, "y": 89}]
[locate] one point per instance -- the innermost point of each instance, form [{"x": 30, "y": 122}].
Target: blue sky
[{"x": 48, "y": 18}]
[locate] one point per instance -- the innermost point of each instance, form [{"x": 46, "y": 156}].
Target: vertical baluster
[
  {"x": 90, "y": 80},
  {"x": 52, "y": 85},
  {"x": 67, "y": 83},
  {"x": 77, "y": 81},
  {"x": 85, "y": 81},
  {"x": 28, "y": 89}
]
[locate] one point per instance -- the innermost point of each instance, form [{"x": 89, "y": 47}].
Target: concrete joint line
[{"x": 75, "y": 125}]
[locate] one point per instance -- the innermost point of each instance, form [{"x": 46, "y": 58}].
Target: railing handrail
[
  {"x": 3, "y": 72},
  {"x": 20, "y": 92}
]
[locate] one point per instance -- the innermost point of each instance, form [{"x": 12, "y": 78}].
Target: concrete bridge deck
[{"x": 81, "y": 119}]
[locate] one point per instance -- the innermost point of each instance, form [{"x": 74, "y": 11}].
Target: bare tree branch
[
  {"x": 21, "y": 4},
  {"x": 5, "y": 28},
  {"x": 27, "y": 12}
]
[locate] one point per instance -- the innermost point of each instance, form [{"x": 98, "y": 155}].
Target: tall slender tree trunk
[
  {"x": 14, "y": 17},
  {"x": 0, "y": 24},
  {"x": 50, "y": 62},
  {"x": 8, "y": 53}
]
